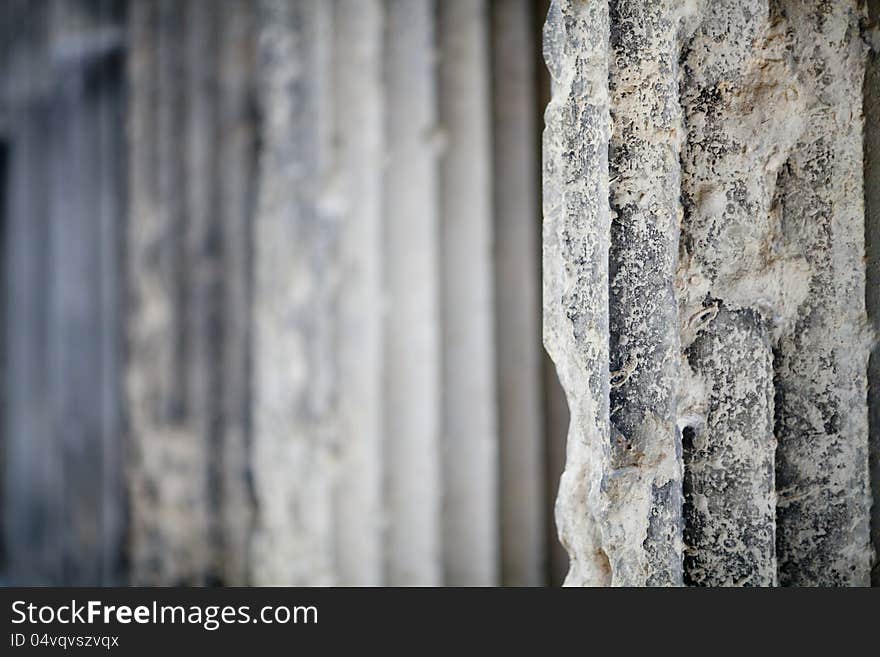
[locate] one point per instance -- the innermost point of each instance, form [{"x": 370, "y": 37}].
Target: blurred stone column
[
  {"x": 360, "y": 143},
  {"x": 63, "y": 487},
  {"x": 469, "y": 433},
  {"x": 296, "y": 438},
  {"x": 187, "y": 253},
  {"x": 412, "y": 408}
]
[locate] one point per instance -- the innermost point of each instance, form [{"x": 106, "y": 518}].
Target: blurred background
[{"x": 271, "y": 294}]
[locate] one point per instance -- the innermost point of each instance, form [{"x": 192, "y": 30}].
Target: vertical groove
[
  {"x": 169, "y": 508},
  {"x": 187, "y": 254},
  {"x": 295, "y": 435},
  {"x": 645, "y": 482},
  {"x": 470, "y": 438},
  {"x": 822, "y": 424},
  {"x": 235, "y": 193},
  {"x": 112, "y": 164},
  {"x": 517, "y": 331},
  {"x": 412, "y": 365},
  {"x": 735, "y": 283},
  {"x": 201, "y": 260},
  {"x": 358, "y": 105}
]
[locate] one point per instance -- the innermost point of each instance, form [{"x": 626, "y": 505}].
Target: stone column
[
  {"x": 359, "y": 133},
  {"x": 738, "y": 319},
  {"x": 412, "y": 362},
  {"x": 296, "y": 241},
  {"x": 62, "y": 95},
  {"x": 469, "y": 430},
  {"x": 190, "y": 167}
]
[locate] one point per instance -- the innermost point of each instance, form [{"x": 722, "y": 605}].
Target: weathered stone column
[
  {"x": 169, "y": 455},
  {"x": 412, "y": 364},
  {"x": 743, "y": 111},
  {"x": 619, "y": 506},
  {"x": 755, "y": 333},
  {"x": 190, "y": 167},
  {"x": 296, "y": 240}
]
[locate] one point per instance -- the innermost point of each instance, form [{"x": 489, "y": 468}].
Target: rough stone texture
[
  {"x": 517, "y": 329},
  {"x": 821, "y": 416},
  {"x": 728, "y": 485},
  {"x": 309, "y": 380},
  {"x": 575, "y": 255},
  {"x": 743, "y": 111},
  {"x": 645, "y": 482},
  {"x": 412, "y": 370},
  {"x": 296, "y": 234},
  {"x": 871, "y": 89},
  {"x": 359, "y": 138},
  {"x": 187, "y": 257},
  {"x": 469, "y": 430},
  {"x": 757, "y": 331}
]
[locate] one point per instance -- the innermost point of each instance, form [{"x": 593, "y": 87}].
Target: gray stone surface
[
  {"x": 645, "y": 479},
  {"x": 743, "y": 111},
  {"x": 821, "y": 414},
  {"x": 752, "y": 340},
  {"x": 577, "y": 222}
]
